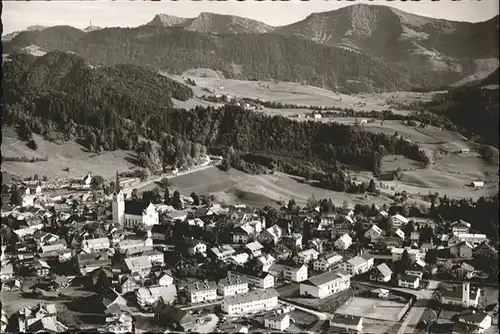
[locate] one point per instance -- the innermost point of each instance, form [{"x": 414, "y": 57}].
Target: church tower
[
  {"x": 118, "y": 208},
  {"x": 466, "y": 294}
]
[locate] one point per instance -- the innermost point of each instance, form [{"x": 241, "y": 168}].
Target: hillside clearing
[
  {"x": 298, "y": 94},
  {"x": 60, "y": 156},
  {"x": 235, "y": 187}
]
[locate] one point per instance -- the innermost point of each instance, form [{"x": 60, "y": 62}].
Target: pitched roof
[
  {"x": 233, "y": 281},
  {"x": 201, "y": 286},
  {"x": 137, "y": 263},
  {"x": 473, "y": 317},
  {"x": 327, "y": 277},
  {"x": 254, "y": 246},
  {"x": 384, "y": 269},
  {"x": 357, "y": 261},
  {"x": 408, "y": 278},
  {"x": 135, "y": 208},
  {"x": 157, "y": 228},
  {"x": 251, "y": 296}
]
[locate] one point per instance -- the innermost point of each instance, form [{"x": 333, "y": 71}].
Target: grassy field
[
  {"x": 295, "y": 93},
  {"x": 237, "y": 187},
  {"x": 68, "y": 154}
]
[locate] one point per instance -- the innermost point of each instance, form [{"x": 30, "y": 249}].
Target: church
[{"x": 132, "y": 213}]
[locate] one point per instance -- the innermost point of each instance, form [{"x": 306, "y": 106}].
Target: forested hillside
[
  {"x": 241, "y": 56},
  {"x": 475, "y": 109},
  {"x": 102, "y": 108}
]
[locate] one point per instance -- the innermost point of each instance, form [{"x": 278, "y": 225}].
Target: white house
[
  {"x": 295, "y": 273},
  {"x": 358, "y": 265},
  {"x": 413, "y": 254},
  {"x": 409, "y": 281},
  {"x": 222, "y": 253},
  {"x": 250, "y": 302},
  {"x": 344, "y": 242},
  {"x": 96, "y": 244},
  {"x": 307, "y": 255},
  {"x": 196, "y": 247},
  {"x": 326, "y": 284},
  {"x": 202, "y": 291},
  {"x": 150, "y": 295},
  {"x": 462, "y": 250},
  {"x": 138, "y": 266},
  {"x": 254, "y": 248},
  {"x": 241, "y": 234},
  {"x": 271, "y": 235},
  {"x": 265, "y": 261},
  {"x": 473, "y": 239},
  {"x": 239, "y": 259},
  {"x": 262, "y": 281},
  {"x": 398, "y": 221},
  {"x": 478, "y": 184},
  {"x": 381, "y": 273},
  {"x": 278, "y": 322},
  {"x": 373, "y": 233},
  {"x": 460, "y": 226},
  {"x": 232, "y": 286},
  {"x": 347, "y": 322},
  {"x": 479, "y": 319},
  {"x": 326, "y": 262}
]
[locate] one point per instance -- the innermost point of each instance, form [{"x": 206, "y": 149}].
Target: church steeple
[{"x": 117, "y": 183}]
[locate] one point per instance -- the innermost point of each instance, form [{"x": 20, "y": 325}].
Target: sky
[{"x": 18, "y": 15}]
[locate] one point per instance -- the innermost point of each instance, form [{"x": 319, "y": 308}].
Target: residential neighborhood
[{"x": 238, "y": 268}]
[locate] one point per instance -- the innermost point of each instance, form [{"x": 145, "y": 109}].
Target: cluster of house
[{"x": 322, "y": 265}]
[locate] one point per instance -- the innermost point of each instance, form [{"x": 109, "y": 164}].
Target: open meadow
[
  {"x": 60, "y": 156},
  {"x": 296, "y": 93},
  {"x": 237, "y": 187}
]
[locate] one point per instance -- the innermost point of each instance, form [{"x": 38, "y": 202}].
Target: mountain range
[{"x": 352, "y": 49}]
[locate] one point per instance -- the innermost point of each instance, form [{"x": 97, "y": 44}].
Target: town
[{"x": 92, "y": 254}]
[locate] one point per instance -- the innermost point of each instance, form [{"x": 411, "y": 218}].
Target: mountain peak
[{"x": 165, "y": 20}]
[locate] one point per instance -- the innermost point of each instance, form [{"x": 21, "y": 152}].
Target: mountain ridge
[{"x": 212, "y": 23}]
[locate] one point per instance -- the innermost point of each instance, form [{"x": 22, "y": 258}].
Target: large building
[
  {"x": 326, "y": 262},
  {"x": 414, "y": 254},
  {"x": 263, "y": 280},
  {"x": 461, "y": 297},
  {"x": 202, "y": 291},
  {"x": 326, "y": 284},
  {"x": 250, "y": 302},
  {"x": 473, "y": 239},
  {"x": 133, "y": 213},
  {"x": 232, "y": 286}
]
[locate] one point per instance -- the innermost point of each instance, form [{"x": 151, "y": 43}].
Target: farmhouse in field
[{"x": 477, "y": 184}]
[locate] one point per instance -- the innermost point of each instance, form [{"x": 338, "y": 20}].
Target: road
[{"x": 413, "y": 316}]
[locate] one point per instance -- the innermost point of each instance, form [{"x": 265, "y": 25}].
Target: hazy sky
[{"x": 18, "y": 15}]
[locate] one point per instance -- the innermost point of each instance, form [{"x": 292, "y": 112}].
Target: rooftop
[
  {"x": 251, "y": 296},
  {"x": 327, "y": 277},
  {"x": 201, "y": 286}
]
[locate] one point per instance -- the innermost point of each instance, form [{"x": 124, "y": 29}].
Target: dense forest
[
  {"x": 474, "y": 109},
  {"x": 242, "y": 56},
  {"x": 114, "y": 107}
]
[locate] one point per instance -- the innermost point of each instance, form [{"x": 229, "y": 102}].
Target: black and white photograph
[{"x": 250, "y": 167}]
